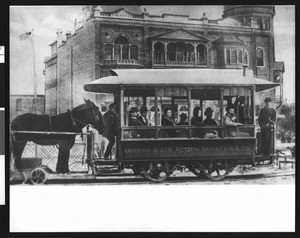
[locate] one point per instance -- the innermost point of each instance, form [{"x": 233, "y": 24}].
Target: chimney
[
  {"x": 68, "y": 34},
  {"x": 204, "y": 18},
  {"x": 59, "y": 37},
  {"x": 244, "y": 69}
]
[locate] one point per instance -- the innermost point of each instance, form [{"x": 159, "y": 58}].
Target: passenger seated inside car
[
  {"x": 210, "y": 133},
  {"x": 133, "y": 121},
  {"x": 197, "y": 120},
  {"x": 167, "y": 120},
  {"x": 142, "y": 118},
  {"x": 182, "y": 120},
  {"x": 230, "y": 120}
]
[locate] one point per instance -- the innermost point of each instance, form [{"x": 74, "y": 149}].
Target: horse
[{"x": 71, "y": 121}]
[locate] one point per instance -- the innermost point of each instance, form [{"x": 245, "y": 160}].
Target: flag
[{"x": 25, "y": 35}]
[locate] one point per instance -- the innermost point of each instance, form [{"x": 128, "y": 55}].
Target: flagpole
[{"x": 34, "y": 72}]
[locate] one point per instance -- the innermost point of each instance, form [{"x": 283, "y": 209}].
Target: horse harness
[{"x": 73, "y": 119}]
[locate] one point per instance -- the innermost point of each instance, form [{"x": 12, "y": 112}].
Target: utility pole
[{"x": 34, "y": 73}]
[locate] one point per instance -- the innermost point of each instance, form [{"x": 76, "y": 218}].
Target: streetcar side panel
[{"x": 235, "y": 148}]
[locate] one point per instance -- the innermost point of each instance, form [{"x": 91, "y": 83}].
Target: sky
[{"x": 45, "y": 20}]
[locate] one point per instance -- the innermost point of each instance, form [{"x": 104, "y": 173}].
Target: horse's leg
[
  {"x": 60, "y": 158},
  {"x": 16, "y": 149},
  {"x": 63, "y": 157}
]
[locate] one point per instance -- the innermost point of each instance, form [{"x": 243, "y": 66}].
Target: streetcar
[{"x": 210, "y": 150}]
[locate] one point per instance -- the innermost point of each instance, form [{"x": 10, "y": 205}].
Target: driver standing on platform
[
  {"x": 110, "y": 122},
  {"x": 266, "y": 119}
]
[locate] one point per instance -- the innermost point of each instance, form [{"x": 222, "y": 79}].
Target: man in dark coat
[
  {"x": 133, "y": 121},
  {"x": 208, "y": 120},
  {"x": 266, "y": 119},
  {"x": 110, "y": 122},
  {"x": 143, "y": 117}
]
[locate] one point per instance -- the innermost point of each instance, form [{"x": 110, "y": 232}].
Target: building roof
[
  {"x": 177, "y": 77},
  {"x": 179, "y": 34},
  {"x": 228, "y": 39},
  {"x": 26, "y": 95},
  {"x": 133, "y": 9},
  {"x": 279, "y": 66}
]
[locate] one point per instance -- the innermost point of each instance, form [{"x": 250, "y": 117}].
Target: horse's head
[{"x": 89, "y": 114}]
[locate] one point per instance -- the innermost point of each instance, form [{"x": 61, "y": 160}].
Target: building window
[
  {"x": 234, "y": 56},
  {"x": 259, "y": 23},
  {"x": 240, "y": 56},
  {"x": 171, "y": 52},
  {"x": 228, "y": 56},
  {"x": 267, "y": 24},
  {"x": 259, "y": 57},
  {"x": 159, "y": 54},
  {"x": 19, "y": 104},
  {"x": 245, "y": 58},
  {"x": 120, "y": 49},
  {"x": 201, "y": 54}
]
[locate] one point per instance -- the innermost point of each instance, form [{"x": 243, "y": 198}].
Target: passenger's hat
[
  {"x": 229, "y": 107},
  {"x": 183, "y": 115},
  {"x": 112, "y": 105},
  {"x": 133, "y": 109},
  {"x": 268, "y": 99},
  {"x": 143, "y": 109},
  {"x": 207, "y": 110}
]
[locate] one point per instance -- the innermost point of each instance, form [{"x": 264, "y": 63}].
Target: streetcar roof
[{"x": 176, "y": 77}]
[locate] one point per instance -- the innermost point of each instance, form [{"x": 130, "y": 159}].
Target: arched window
[
  {"x": 259, "y": 57},
  {"x": 245, "y": 60},
  {"x": 201, "y": 54},
  {"x": 121, "y": 48},
  {"x": 159, "y": 54},
  {"x": 240, "y": 56},
  {"x": 234, "y": 56},
  {"x": 189, "y": 55},
  {"x": 171, "y": 52}
]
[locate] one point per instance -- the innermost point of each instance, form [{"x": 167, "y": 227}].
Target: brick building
[
  {"x": 111, "y": 37},
  {"x": 20, "y": 104}
]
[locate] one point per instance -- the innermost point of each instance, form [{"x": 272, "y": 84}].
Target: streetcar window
[
  {"x": 240, "y": 100},
  {"x": 173, "y": 104},
  {"x": 137, "y": 97},
  {"x": 209, "y": 102}
]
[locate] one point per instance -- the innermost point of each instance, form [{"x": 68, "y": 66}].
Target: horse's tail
[
  {"x": 11, "y": 151},
  {"x": 14, "y": 173}
]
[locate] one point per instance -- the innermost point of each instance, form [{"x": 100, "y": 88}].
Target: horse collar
[
  {"x": 50, "y": 124},
  {"x": 73, "y": 121}
]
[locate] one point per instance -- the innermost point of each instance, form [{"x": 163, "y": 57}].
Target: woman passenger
[
  {"x": 197, "y": 120},
  {"x": 167, "y": 120}
]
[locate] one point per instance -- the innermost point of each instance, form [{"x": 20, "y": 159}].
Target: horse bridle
[{"x": 85, "y": 124}]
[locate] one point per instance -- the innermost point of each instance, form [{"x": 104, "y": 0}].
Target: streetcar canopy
[{"x": 177, "y": 77}]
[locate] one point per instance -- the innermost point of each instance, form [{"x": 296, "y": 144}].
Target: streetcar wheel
[
  {"x": 198, "y": 169},
  {"x": 218, "y": 169},
  {"x": 38, "y": 176},
  {"x": 156, "y": 176},
  {"x": 156, "y": 171}
]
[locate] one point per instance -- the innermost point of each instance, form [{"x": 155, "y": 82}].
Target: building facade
[
  {"x": 114, "y": 37},
  {"x": 20, "y": 104}
]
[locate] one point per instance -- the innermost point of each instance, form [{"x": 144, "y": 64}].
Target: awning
[
  {"x": 176, "y": 77},
  {"x": 262, "y": 84}
]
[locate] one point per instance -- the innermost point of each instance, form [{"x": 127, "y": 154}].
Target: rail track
[{"x": 180, "y": 178}]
